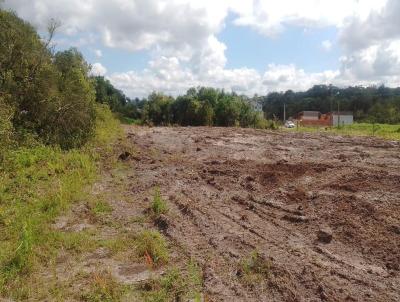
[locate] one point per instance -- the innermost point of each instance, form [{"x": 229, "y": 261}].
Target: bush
[
  {"x": 50, "y": 96},
  {"x": 6, "y": 128}
]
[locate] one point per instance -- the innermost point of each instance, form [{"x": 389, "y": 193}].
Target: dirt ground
[
  {"x": 321, "y": 211},
  {"x": 232, "y": 191}
]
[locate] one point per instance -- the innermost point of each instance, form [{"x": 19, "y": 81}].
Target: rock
[
  {"x": 198, "y": 149},
  {"x": 162, "y": 222},
  {"x": 124, "y": 156},
  {"x": 249, "y": 178},
  {"x": 395, "y": 229},
  {"x": 296, "y": 219},
  {"x": 325, "y": 235}
]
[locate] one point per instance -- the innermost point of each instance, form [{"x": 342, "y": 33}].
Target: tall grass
[
  {"x": 386, "y": 131},
  {"x": 37, "y": 184}
]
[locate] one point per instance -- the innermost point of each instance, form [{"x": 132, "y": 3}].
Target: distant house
[
  {"x": 316, "y": 118},
  {"x": 309, "y": 115},
  {"x": 341, "y": 118},
  {"x": 256, "y": 105}
]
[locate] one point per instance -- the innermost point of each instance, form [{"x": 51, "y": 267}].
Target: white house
[
  {"x": 342, "y": 118},
  {"x": 256, "y": 105}
]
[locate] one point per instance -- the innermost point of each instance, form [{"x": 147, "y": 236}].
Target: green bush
[{"x": 50, "y": 97}]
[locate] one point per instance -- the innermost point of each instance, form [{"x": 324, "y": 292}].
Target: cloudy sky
[{"x": 248, "y": 46}]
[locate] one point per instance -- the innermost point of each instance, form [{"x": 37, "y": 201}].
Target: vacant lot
[
  {"x": 248, "y": 215},
  {"x": 235, "y": 191}
]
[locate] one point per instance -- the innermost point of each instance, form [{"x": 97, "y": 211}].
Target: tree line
[{"x": 369, "y": 104}]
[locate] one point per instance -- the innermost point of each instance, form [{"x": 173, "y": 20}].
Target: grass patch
[
  {"x": 103, "y": 288},
  {"x": 150, "y": 243},
  {"x": 101, "y": 207},
  {"x": 130, "y": 121},
  {"x": 175, "y": 285},
  {"x": 159, "y": 205},
  {"x": 254, "y": 269},
  {"x": 390, "y": 132},
  {"x": 37, "y": 184}
]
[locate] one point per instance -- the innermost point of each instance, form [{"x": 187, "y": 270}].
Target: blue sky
[
  {"x": 298, "y": 45},
  {"x": 253, "y": 46}
]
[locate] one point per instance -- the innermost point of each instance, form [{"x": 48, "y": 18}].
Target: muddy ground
[
  {"x": 323, "y": 213},
  {"x": 232, "y": 191}
]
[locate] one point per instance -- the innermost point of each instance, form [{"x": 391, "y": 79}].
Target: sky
[{"x": 247, "y": 46}]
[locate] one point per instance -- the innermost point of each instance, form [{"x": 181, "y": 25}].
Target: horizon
[{"x": 253, "y": 47}]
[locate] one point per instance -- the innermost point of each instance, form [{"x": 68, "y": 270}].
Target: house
[
  {"x": 313, "y": 118},
  {"x": 341, "y": 118},
  {"x": 316, "y": 118},
  {"x": 256, "y": 105}
]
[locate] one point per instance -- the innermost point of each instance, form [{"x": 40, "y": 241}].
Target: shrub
[{"x": 50, "y": 96}]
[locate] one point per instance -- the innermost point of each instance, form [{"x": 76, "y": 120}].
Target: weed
[
  {"x": 175, "y": 285},
  {"x": 103, "y": 288},
  {"x": 254, "y": 269},
  {"x": 152, "y": 243},
  {"x": 158, "y": 206},
  {"x": 101, "y": 207}
]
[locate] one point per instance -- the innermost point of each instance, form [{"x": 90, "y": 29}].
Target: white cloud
[
  {"x": 182, "y": 39},
  {"x": 98, "y": 53},
  {"x": 270, "y": 17},
  {"x": 169, "y": 76},
  {"x": 326, "y": 45},
  {"x": 98, "y": 70}
]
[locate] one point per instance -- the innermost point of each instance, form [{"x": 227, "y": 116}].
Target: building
[
  {"x": 341, "y": 118},
  {"x": 316, "y": 118},
  {"x": 256, "y": 105}
]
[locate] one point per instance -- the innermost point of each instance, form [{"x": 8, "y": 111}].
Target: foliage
[
  {"x": 158, "y": 206},
  {"x": 176, "y": 285},
  {"x": 106, "y": 93},
  {"x": 152, "y": 243},
  {"x": 369, "y": 104},
  {"x": 202, "y": 107},
  {"x": 48, "y": 96},
  {"x": 38, "y": 183}
]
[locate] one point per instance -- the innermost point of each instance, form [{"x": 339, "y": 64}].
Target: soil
[{"x": 232, "y": 191}]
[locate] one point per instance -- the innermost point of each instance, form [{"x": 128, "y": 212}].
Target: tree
[{"x": 49, "y": 97}]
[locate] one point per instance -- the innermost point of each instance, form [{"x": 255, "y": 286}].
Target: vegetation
[
  {"x": 158, "y": 206},
  {"x": 153, "y": 246},
  {"x": 44, "y": 96},
  {"x": 106, "y": 93},
  {"x": 254, "y": 269},
  {"x": 201, "y": 107},
  {"x": 368, "y": 104},
  {"x": 37, "y": 184},
  {"x": 175, "y": 285},
  {"x": 103, "y": 288},
  {"x": 386, "y": 131}
]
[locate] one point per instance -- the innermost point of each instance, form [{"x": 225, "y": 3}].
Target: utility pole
[
  {"x": 338, "y": 111},
  {"x": 284, "y": 112}
]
